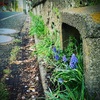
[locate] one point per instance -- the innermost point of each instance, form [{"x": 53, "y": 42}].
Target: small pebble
[
  {"x": 37, "y": 78},
  {"x": 23, "y": 97},
  {"x": 7, "y": 78},
  {"x": 25, "y": 86},
  {"x": 32, "y": 96},
  {"x": 33, "y": 90},
  {"x": 28, "y": 90}
]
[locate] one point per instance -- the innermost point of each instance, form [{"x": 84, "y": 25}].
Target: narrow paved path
[{"x": 24, "y": 81}]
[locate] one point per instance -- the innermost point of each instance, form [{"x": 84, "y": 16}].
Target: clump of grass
[
  {"x": 4, "y": 94},
  {"x": 37, "y": 26},
  {"x": 17, "y": 41},
  {"x": 7, "y": 71},
  {"x": 13, "y": 54}
]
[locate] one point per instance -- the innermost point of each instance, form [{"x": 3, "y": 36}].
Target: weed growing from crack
[
  {"x": 13, "y": 54},
  {"x": 7, "y": 71}
]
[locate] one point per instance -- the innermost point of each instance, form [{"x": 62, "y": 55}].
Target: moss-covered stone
[{"x": 96, "y": 17}]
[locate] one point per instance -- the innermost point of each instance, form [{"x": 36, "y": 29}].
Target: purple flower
[
  {"x": 73, "y": 61},
  {"x": 64, "y": 59},
  {"x": 60, "y": 80},
  {"x": 56, "y": 57},
  {"x": 54, "y": 49}
]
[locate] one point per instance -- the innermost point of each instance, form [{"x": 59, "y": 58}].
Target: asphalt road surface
[
  {"x": 7, "y": 14},
  {"x": 12, "y": 20}
]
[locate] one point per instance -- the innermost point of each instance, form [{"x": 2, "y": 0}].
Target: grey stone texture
[
  {"x": 87, "y": 21},
  {"x": 91, "y": 49},
  {"x": 61, "y": 4},
  {"x": 81, "y": 19}
]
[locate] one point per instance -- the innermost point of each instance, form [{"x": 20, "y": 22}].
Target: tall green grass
[
  {"x": 37, "y": 26},
  {"x": 4, "y": 94}
]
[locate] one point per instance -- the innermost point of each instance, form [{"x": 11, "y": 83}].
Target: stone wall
[
  {"x": 61, "y": 4},
  {"x": 50, "y": 11},
  {"x": 49, "y": 15}
]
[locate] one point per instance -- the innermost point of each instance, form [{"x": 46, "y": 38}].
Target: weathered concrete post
[
  {"x": 91, "y": 49},
  {"x": 87, "y": 21}
]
